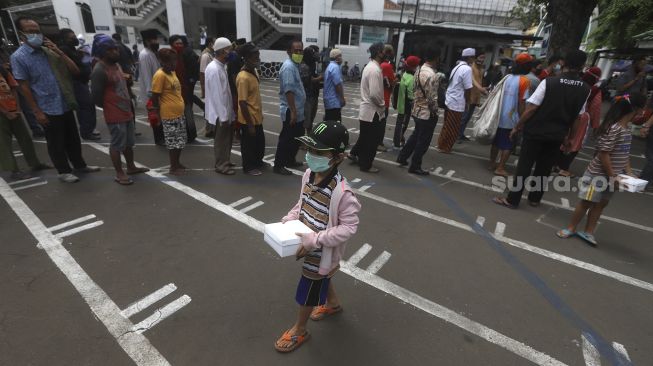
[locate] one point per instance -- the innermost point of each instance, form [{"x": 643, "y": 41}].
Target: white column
[
  {"x": 243, "y": 19},
  {"x": 68, "y": 16},
  {"x": 311, "y": 19},
  {"x": 175, "y": 17},
  {"x": 102, "y": 16}
]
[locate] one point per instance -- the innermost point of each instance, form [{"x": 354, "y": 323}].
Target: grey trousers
[{"x": 222, "y": 146}]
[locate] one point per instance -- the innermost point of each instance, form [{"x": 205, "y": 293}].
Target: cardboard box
[
  {"x": 632, "y": 184},
  {"x": 281, "y": 237}
]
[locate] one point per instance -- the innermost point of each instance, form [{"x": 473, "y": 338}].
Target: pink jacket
[{"x": 343, "y": 223}]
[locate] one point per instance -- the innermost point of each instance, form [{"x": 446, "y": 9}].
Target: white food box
[
  {"x": 281, "y": 237},
  {"x": 632, "y": 184}
]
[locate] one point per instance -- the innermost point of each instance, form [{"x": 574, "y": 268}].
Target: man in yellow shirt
[{"x": 250, "y": 112}]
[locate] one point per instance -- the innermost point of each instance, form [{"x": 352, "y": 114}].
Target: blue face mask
[
  {"x": 317, "y": 163},
  {"x": 34, "y": 40}
]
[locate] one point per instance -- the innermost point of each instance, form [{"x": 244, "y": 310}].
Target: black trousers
[
  {"x": 333, "y": 114},
  {"x": 419, "y": 141},
  {"x": 287, "y": 146},
  {"x": 64, "y": 143},
  {"x": 365, "y": 148},
  {"x": 565, "y": 160},
  {"x": 252, "y": 148},
  {"x": 383, "y": 123},
  {"x": 403, "y": 120},
  {"x": 542, "y": 155}
]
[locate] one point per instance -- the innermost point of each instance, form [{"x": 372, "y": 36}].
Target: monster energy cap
[{"x": 327, "y": 135}]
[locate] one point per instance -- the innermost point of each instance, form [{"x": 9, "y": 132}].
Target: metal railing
[
  {"x": 132, "y": 8},
  {"x": 285, "y": 14}
]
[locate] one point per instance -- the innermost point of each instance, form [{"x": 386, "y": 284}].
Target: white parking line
[
  {"x": 251, "y": 207},
  {"x": 355, "y": 180},
  {"x": 366, "y": 187},
  {"x": 564, "y": 202},
  {"x": 78, "y": 229},
  {"x": 240, "y": 201},
  {"x": 480, "y": 220},
  {"x": 360, "y": 254},
  {"x": 160, "y": 314},
  {"x": 147, "y": 301},
  {"x": 17, "y": 182},
  {"x": 139, "y": 348},
  {"x": 499, "y": 229},
  {"x": 71, "y": 223},
  {"x": 20, "y": 188},
  {"x": 379, "y": 262}
]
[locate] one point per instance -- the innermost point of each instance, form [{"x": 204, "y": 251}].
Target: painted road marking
[
  {"x": 360, "y": 254},
  {"x": 592, "y": 356},
  {"x": 355, "y": 180},
  {"x": 270, "y": 156},
  {"x": 436, "y": 170},
  {"x": 480, "y": 220},
  {"x": 379, "y": 262},
  {"x": 450, "y": 173},
  {"x": 134, "y": 344},
  {"x": 252, "y": 206},
  {"x": 78, "y": 229},
  {"x": 142, "y": 304},
  {"x": 366, "y": 187},
  {"x": 19, "y": 188},
  {"x": 564, "y": 202},
  {"x": 449, "y": 316},
  {"x": 240, "y": 201},
  {"x": 499, "y": 229},
  {"x": 160, "y": 314},
  {"x": 71, "y": 223},
  {"x": 16, "y": 182}
]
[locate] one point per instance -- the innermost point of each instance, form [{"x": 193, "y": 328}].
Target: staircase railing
[
  {"x": 131, "y": 8},
  {"x": 286, "y": 14}
]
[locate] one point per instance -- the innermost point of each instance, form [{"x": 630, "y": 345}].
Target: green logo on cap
[{"x": 320, "y": 128}]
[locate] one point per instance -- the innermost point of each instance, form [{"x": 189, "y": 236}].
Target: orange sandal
[
  {"x": 296, "y": 341},
  {"x": 324, "y": 311}
]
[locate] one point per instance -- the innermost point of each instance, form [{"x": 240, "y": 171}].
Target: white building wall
[
  {"x": 68, "y": 15},
  {"x": 102, "y": 16}
]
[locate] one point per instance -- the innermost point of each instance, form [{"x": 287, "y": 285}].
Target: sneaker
[
  {"x": 92, "y": 137},
  {"x": 282, "y": 171},
  {"x": 88, "y": 169},
  {"x": 381, "y": 148},
  {"x": 254, "y": 172},
  {"x": 68, "y": 178},
  {"x": 95, "y": 133}
]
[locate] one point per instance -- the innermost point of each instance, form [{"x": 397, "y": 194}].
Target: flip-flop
[
  {"x": 502, "y": 202},
  {"x": 324, "y": 311},
  {"x": 565, "y": 234},
  {"x": 138, "y": 171},
  {"x": 589, "y": 238},
  {"x": 123, "y": 182},
  {"x": 297, "y": 340}
]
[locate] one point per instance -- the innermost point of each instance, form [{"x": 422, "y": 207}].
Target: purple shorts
[{"x": 502, "y": 139}]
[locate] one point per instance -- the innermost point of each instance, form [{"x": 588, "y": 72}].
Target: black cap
[
  {"x": 327, "y": 135},
  {"x": 247, "y": 49},
  {"x": 149, "y": 34},
  {"x": 240, "y": 41}
]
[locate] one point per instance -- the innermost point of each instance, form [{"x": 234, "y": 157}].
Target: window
[
  {"x": 344, "y": 34},
  {"x": 87, "y": 18}
]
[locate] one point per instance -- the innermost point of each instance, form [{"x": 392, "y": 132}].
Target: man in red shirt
[{"x": 389, "y": 79}]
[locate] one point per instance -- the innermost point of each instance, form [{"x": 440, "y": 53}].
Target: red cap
[
  {"x": 523, "y": 58},
  {"x": 412, "y": 61}
]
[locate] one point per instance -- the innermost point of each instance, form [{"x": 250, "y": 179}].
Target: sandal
[
  {"x": 296, "y": 341},
  {"x": 503, "y": 202},
  {"x": 323, "y": 311},
  {"x": 123, "y": 182},
  {"x": 589, "y": 238},
  {"x": 565, "y": 234},
  {"x": 138, "y": 171}
]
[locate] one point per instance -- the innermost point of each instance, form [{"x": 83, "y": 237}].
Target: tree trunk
[{"x": 569, "y": 19}]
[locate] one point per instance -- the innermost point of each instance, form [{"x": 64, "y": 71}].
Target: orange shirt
[{"x": 7, "y": 99}]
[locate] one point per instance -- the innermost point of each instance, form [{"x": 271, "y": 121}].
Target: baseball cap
[
  {"x": 412, "y": 61},
  {"x": 469, "y": 52},
  {"x": 221, "y": 43},
  {"x": 327, "y": 135},
  {"x": 523, "y": 58}
]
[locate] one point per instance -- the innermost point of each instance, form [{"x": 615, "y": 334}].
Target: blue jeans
[{"x": 469, "y": 112}]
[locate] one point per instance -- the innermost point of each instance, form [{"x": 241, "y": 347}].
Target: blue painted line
[{"x": 604, "y": 347}]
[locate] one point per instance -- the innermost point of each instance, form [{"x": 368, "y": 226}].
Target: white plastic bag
[{"x": 489, "y": 113}]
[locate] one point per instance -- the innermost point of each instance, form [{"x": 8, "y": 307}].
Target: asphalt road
[{"x": 436, "y": 274}]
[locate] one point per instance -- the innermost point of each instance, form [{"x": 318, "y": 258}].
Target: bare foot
[
  {"x": 501, "y": 172},
  {"x": 181, "y": 166}
]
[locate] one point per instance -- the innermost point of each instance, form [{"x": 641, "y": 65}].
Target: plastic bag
[
  {"x": 489, "y": 113},
  {"x": 152, "y": 116}
]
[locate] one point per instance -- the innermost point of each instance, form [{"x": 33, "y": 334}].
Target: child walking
[
  {"x": 612, "y": 158},
  {"x": 328, "y": 206}
]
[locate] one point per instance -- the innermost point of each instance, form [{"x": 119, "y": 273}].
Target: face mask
[
  {"x": 34, "y": 40},
  {"x": 179, "y": 48},
  {"x": 557, "y": 68},
  {"x": 297, "y": 58},
  {"x": 232, "y": 56},
  {"x": 73, "y": 42},
  {"x": 317, "y": 163},
  {"x": 154, "y": 46}
]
